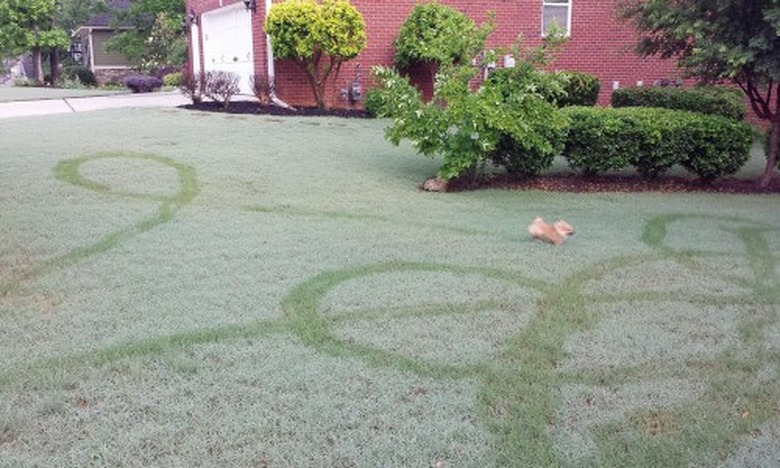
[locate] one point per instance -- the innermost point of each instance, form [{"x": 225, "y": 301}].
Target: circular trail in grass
[
  {"x": 591, "y": 373},
  {"x": 170, "y": 201},
  {"x": 657, "y": 358}
]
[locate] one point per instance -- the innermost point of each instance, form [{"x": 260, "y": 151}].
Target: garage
[{"x": 227, "y": 42}]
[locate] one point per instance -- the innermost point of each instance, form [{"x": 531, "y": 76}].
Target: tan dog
[{"x": 552, "y": 233}]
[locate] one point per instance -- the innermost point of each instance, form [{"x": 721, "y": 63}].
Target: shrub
[
  {"x": 193, "y": 85},
  {"x": 261, "y": 88},
  {"x": 468, "y": 128},
  {"x": 221, "y": 86},
  {"x": 142, "y": 83},
  {"x": 721, "y": 101},
  {"x": 525, "y": 78},
  {"x": 654, "y": 140},
  {"x": 509, "y": 124},
  {"x": 722, "y": 147},
  {"x": 173, "y": 79},
  {"x": 374, "y": 102},
  {"x": 582, "y": 89},
  {"x": 564, "y": 88},
  {"x": 438, "y": 34},
  {"x": 84, "y": 75},
  {"x": 600, "y": 140},
  {"x": 533, "y": 151}
]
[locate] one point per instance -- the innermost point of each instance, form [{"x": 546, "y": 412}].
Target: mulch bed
[
  {"x": 553, "y": 183},
  {"x": 255, "y": 108}
]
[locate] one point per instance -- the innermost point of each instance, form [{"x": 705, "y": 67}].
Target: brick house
[{"x": 228, "y": 35}]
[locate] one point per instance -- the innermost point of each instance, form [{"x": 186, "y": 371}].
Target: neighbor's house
[
  {"x": 228, "y": 35},
  {"x": 91, "y": 38}
]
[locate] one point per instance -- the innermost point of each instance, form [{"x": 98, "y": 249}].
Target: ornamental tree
[
  {"x": 434, "y": 35},
  {"x": 318, "y": 37},
  {"x": 733, "y": 41},
  {"x": 509, "y": 123}
]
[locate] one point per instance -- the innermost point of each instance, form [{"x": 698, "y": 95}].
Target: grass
[{"x": 183, "y": 288}]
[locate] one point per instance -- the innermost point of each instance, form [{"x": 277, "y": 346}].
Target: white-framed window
[{"x": 558, "y": 11}]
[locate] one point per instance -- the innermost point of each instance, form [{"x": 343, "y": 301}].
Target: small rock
[{"x": 435, "y": 185}]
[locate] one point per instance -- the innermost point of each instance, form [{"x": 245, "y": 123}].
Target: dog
[{"x": 553, "y": 233}]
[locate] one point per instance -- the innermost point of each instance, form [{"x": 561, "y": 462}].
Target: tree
[
  {"x": 733, "y": 41},
  {"x": 155, "y": 40},
  {"x": 319, "y": 37},
  {"x": 434, "y": 35},
  {"x": 30, "y": 26}
]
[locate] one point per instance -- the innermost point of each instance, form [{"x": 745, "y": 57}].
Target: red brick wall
[{"x": 599, "y": 44}]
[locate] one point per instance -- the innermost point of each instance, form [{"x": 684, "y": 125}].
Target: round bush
[
  {"x": 173, "y": 79},
  {"x": 436, "y": 33},
  {"x": 142, "y": 83}
]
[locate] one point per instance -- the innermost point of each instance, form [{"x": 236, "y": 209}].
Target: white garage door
[{"x": 227, "y": 42}]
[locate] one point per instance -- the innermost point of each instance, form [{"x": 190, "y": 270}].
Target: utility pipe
[{"x": 271, "y": 72}]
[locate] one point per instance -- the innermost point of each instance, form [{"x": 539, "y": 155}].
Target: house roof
[{"x": 104, "y": 20}]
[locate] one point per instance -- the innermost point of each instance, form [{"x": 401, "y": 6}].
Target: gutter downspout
[{"x": 270, "y": 64}]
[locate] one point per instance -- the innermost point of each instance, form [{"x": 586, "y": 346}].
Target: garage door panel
[{"x": 227, "y": 42}]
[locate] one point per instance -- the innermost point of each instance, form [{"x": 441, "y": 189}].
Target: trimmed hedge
[
  {"x": 726, "y": 102},
  {"x": 653, "y": 140}
]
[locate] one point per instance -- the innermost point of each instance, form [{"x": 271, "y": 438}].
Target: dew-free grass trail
[{"x": 193, "y": 289}]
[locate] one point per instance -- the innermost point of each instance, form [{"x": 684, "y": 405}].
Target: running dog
[{"x": 553, "y": 233}]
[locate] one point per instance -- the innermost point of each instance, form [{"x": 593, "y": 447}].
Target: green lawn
[{"x": 182, "y": 289}]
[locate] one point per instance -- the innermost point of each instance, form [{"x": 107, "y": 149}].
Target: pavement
[{"x": 86, "y": 104}]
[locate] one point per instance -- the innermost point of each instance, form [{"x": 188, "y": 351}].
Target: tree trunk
[
  {"x": 54, "y": 65},
  {"x": 37, "y": 66},
  {"x": 771, "y": 158},
  {"x": 317, "y": 88}
]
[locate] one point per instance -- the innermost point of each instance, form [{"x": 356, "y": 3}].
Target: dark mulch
[
  {"x": 254, "y": 107},
  {"x": 578, "y": 184},
  {"x": 553, "y": 183}
]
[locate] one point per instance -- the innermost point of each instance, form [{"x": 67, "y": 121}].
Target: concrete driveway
[{"x": 85, "y": 104}]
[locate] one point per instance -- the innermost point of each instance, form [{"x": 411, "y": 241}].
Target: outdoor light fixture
[
  {"x": 191, "y": 19},
  {"x": 250, "y": 5},
  {"x": 76, "y": 51}
]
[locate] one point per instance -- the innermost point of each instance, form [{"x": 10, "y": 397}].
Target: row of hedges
[
  {"x": 593, "y": 140},
  {"x": 652, "y": 140},
  {"x": 727, "y": 102}
]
